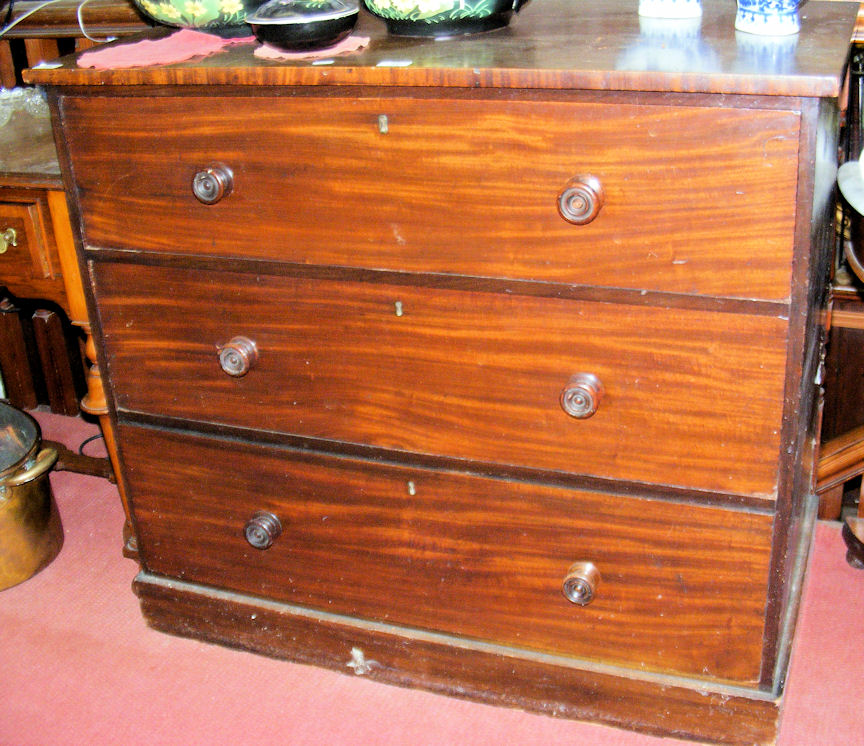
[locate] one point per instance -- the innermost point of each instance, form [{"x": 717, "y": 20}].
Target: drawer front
[
  {"x": 681, "y": 589},
  {"x": 700, "y": 200},
  {"x": 23, "y": 253},
  {"x": 690, "y": 398}
]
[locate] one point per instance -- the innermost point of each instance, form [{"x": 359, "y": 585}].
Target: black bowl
[{"x": 285, "y": 24}]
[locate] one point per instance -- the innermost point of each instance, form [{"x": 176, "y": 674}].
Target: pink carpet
[{"x": 79, "y": 666}]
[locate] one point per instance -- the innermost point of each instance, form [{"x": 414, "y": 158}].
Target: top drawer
[{"x": 695, "y": 199}]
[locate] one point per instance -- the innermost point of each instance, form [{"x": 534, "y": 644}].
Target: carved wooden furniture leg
[
  {"x": 94, "y": 401},
  {"x": 14, "y": 362},
  {"x": 853, "y": 535},
  {"x": 54, "y": 355}
]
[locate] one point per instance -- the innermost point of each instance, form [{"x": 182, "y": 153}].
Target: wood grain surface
[
  {"x": 682, "y": 588},
  {"x": 575, "y": 44},
  {"x": 459, "y": 186},
  {"x": 458, "y": 668},
  {"x": 692, "y": 398}
]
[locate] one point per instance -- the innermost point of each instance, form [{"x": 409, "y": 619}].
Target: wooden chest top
[{"x": 566, "y": 44}]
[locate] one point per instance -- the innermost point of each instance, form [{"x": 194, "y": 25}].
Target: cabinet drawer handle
[
  {"x": 238, "y": 356},
  {"x": 581, "y": 396},
  {"x": 8, "y": 238},
  {"x": 581, "y": 200},
  {"x": 580, "y": 583},
  {"x": 262, "y": 529},
  {"x": 212, "y": 184}
]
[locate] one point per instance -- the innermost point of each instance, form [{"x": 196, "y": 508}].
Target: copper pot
[{"x": 30, "y": 530}]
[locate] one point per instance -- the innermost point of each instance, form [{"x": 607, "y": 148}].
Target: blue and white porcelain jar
[
  {"x": 670, "y": 8},
  {"x": 768, "y": 17}
]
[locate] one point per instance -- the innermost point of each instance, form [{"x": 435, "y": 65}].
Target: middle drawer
[{"x": 689, "y": 398}]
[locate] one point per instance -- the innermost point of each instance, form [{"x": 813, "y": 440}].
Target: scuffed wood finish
[
  {"x": 462, "y": 186},
  {"x": 682, "y": 588},
  {"x": 460, "y": 668},
  {"x": 412, "y": 305},
  {"x": 576, "y": 44},
  {"x": 692, "y": 398}
]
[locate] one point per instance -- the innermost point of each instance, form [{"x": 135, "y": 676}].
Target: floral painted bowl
[
  {"x": 206, "y": 15},
  {"x": 443, "y": 17}
]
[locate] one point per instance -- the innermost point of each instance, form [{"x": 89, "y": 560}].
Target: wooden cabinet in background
[
  {"x": 41, "y": 353},
  {"x": 36, "y": 257}
]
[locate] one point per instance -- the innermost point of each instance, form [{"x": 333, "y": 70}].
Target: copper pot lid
[{"x": 19, "y": 439}]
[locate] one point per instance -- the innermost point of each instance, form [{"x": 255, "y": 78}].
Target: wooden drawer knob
[
  {"x": 580, "y": 583},
  {"x": 581, "y": 396},
  {"x": 212, "y": 184},
  {"x": 238, "y": 356},
  {"x": 581, "y": 200},
  {"x": 262, "y": 529}
]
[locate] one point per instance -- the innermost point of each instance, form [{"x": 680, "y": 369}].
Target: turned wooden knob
[
  {"x": 212, "y": 184},
  {"x": 581, "y": 396},
  {"x": 581, "y": 200},
  {"x": 262, "y": 529},
  {"x": 580, "y": 583},
  {"x": 238, "y": 356}
]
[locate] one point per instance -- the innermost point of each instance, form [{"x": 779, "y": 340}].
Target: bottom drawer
[{"x": 682, "y": 588}]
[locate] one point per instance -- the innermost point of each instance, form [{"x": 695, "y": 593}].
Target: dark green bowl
[{"x": 296, "y": 25}]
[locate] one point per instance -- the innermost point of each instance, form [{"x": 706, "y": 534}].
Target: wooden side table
[{"x": 39, "y": 259}]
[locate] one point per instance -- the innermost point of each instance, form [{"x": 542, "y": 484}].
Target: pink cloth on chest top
[{"x": 180, "y": 46}]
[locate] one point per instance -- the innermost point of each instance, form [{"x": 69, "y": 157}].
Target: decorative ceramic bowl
[
  {"x": 670, "y": 8},
  {"x": 206, "y": 15},
  {"x": 304, "y": 24},
  {"x": 768, "y": 17},
  {"x": 443, "y": 17}
]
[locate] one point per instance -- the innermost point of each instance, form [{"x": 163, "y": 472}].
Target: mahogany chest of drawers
[{"x": 486, "y": 365}]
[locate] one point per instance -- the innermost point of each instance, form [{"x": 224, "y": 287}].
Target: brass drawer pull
[
  {"x": 262, "y": 529},
  {"x": 8, "y": 238},
  {"x": 238, "y": 356},
  {"x": 581, "y": 200},
  {"x": 580, "y": 583},
  {"x": 212, "y": 184},
  {"x": 581, "y": 396}
]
